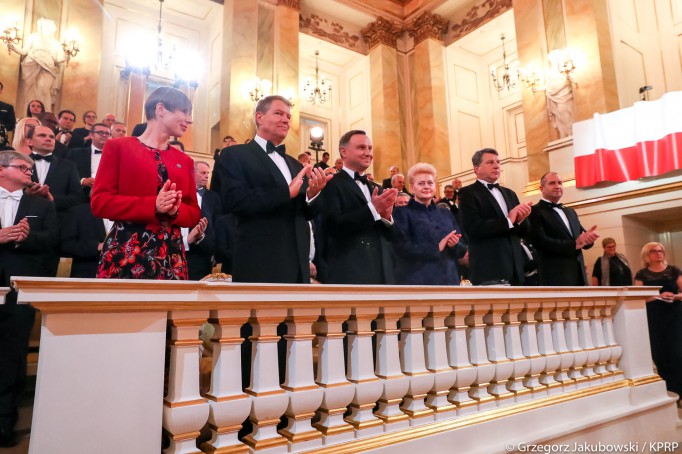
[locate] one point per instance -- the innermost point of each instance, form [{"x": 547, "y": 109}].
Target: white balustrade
[
  {"x": 430, "y": 357},
  {"x": 185, "y": 411},
  {"x": 395, "y": 383}
]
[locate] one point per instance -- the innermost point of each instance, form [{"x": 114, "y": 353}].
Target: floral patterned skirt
[{"x": 134, "y": 251}]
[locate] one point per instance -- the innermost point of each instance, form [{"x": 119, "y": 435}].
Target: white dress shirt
[
  {"x": 42, "y": 167},
  {"x": 9, "y": 204},
  {"x": 279, "y": 161},
  {"x": 500, "y": 201},
  {"x": 94, "y": 160},
  {"x": 184, "y": 231}
]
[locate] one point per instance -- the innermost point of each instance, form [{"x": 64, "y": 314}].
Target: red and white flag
[{"x": 644, "y": 140}]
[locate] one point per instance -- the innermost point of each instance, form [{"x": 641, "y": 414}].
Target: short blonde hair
[
  {"x": 647, "y": 249},
  {"x": 419, "y": 168},
  {"x": 19, "y": 135}
]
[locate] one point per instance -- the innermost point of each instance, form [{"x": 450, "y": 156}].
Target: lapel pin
[{"x": 179, "y": 166}]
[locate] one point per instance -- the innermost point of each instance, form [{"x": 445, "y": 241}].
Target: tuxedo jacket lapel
[
  {"x": 556, "y": 219},
  {"x": 353, "y": 186},
  {"x": 22, "y": 210},
  {"x": 262, "y": 157},
  {"x": 487, "y": 195}
]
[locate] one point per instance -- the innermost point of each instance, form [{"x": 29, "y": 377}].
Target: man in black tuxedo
[
  {"x": 28, "y": 230},
  {"x": 200, "y": 241},
  {"x": 270, "y": 194},
  {"x": 50, "y": 120},
  {"x": 450, "y": 199},
  {"x": 386, "y": 184},
  {"x": 82, "y": 237},
  {"x": 7, "y": 120},
  {"x": 87, "y": 158},
  {"x": 53, "y": 178},
  {"x": 493, "y": 222},
  {"x": 357, "y": 219},
  {"x": 558, "y": 236}
]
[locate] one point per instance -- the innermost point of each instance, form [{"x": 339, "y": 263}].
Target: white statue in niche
[
  {"x": 560, "y": 105},
  {"x": 41, "y": 58}
]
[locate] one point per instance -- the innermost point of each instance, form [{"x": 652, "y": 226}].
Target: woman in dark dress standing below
[
  {"x": 428, "y": 243},
  {"x": 147, "y": 187},
  {"x": 664, "y": 314}
]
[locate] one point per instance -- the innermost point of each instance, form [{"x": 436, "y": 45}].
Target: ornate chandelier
[
  {"x": 507, "y": 79},
  {"x": 323, "y": 88}
]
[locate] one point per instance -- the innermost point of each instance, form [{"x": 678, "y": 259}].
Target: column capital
[
  {"x": 428, "y": 25},
  {"x": 293, "y": 4},
  {"x": 382, "y": 31}
]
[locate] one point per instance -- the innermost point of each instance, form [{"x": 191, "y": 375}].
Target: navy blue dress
[{"x": 420, "y": 228}]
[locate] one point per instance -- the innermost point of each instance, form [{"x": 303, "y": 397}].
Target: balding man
[
  {"x": 558, "y": 236},
  {"x": 393, "y": 170}
]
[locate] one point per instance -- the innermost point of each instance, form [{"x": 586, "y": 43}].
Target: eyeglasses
[
  {"x": 657, "y": 251},
  {"x": 24, "y": 169},
  {"x": 103, "y": 133}
]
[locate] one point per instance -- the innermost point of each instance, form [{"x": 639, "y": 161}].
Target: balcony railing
[{"x": 339, "y": 369}]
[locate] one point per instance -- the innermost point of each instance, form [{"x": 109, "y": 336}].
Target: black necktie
[
  {"x": 361, "y": 178},
  {"x": 97, "y": 151},
  {"x": 493, "y": 185},
  {"x": 39, "y": 157},
  {"x": 280, "y": 149},
  {"x": 201, "y": 191}
]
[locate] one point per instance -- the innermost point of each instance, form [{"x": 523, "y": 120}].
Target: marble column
[
  {"x": 429, "y": 98},
  {"x": 582, "y": 26},
  {"x": 81, "y": 77},
  {"x": 239, "y": 62},
  {"x": 381, "y": 37},
  {"x": 286, "y": 64},
  {"x": 531, "y": 45}
]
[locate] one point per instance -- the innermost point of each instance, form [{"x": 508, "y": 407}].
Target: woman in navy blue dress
[{"x": 428, "y": 243}]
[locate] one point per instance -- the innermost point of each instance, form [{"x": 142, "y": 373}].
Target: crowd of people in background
[{"x": 138, "y": 207}]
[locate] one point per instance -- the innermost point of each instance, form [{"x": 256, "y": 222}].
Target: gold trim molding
[{"x": 382, "y": 31}]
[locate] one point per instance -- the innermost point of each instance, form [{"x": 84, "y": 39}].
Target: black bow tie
[
  {"x": 361, "y": 178},
  {"x": 493, "y": 185},
  {"x": 556, "y": 205},
  {"x": 280, "y": 149},
  {"x": 39, "y": 157},
  {"x": 97, "y": 151}
]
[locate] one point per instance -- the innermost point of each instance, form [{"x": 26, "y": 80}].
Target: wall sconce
[
  {"x": 533, "y": 79},
  {"x": 260, "y": 89},
  {"x": 10, "y": 33},
  {"x": 316, "y": 141},
  {"x": 562, "y": 61},
  {"x": 70, "y": 44},
  {"x": 290, "y": 94}
]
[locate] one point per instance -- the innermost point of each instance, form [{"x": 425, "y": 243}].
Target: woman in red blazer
[{"x": 147, "y": 187}]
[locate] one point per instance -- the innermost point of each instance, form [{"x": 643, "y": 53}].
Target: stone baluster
[
  {"x": 529, "y": 344},
  {"x": 497, "y": 354},
  {"x": 561, "y": 346},
  {"x": 597, "y": 331},
  {"x": 514, "y": 351},
  {"x": 331, "y": 377},
  {"x": 413, "y": 364},
  {"x": 269, "y": 399},
  {"x": 546, "y": 347},
  {"x": 587, "y": 343},
  {"x": 229, "y": 405},
  {"x": 387, "y": 368},
  {"x": 458, "y": 358},
  {"x": 573, "y": 343},
  {"x": 360, "y": 372},
  {"x": 185, "y": 412},
  {"x": 479, "y": 357},
  {"x": 610, "y": 338},
  {"x": 437, "y": 363},
  {"x": 305, "y": 396}
]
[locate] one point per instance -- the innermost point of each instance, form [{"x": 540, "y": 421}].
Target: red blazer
[{"x": 126, "y": 184}]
